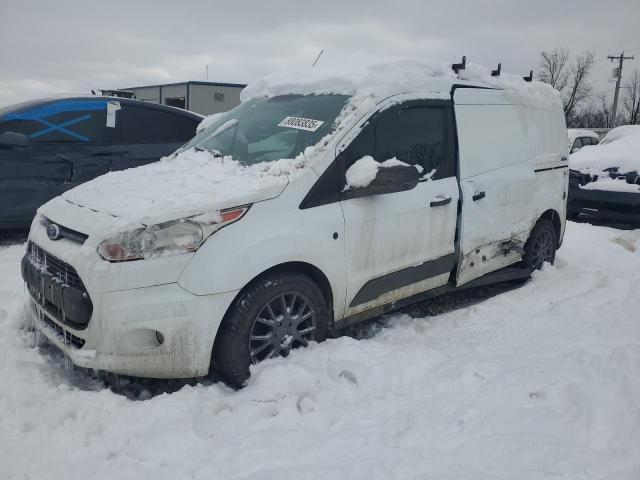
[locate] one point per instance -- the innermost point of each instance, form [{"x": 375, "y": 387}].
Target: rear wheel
[
  {"x": 275, "y": 315},
  {"x": 541, "y": 246}
]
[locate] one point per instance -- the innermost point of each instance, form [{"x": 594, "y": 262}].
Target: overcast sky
[{"x": 52, "y": 47}]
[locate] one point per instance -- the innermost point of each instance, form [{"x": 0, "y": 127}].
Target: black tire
[
  {"x": 541, "y": 246},
  {"x": 256, "y": 314}
]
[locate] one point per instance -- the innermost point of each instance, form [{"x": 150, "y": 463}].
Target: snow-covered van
[{"x": 324, "y": 199}]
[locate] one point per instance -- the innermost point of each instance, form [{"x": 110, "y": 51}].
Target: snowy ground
[{"x": 539, "y": 381}]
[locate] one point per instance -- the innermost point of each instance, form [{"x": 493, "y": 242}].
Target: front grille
[
  {"x": 56, "y": 287},
  {"x": 64, "y": 335},
  {"x": 57, "y": 268}
]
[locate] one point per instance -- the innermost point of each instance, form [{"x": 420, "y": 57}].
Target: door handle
[
  {"x": 479, "y": 196},
  {"x": 440, "y": 200}
]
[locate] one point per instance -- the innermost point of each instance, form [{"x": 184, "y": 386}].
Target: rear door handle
[
  {"x": 479, "y": 196},
  {"x": 440, "y": 200}
]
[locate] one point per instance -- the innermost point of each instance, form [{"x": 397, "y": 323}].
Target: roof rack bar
[
  {"x": 530, "y": 77},
  {"x": 460, "y": 66},
  {"x": 496, "y": 72}
]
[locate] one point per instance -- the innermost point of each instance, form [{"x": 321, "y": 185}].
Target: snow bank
[
  {"x": 541, "y": 381},
  {"x": 620, "y": 148},
  {"x": 364, "y": 171}
]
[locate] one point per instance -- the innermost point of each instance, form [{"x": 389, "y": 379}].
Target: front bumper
[
  {"x": 161, "y": 331},
  {"x": 601, "y": 204}
]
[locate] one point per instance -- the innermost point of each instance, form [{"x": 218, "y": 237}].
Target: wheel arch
[{"x": 554, "y": 218}]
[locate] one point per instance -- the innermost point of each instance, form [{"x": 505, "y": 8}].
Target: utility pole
[{"x": 618, "y": 73}]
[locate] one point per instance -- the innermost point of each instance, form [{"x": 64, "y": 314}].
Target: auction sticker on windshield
[{"x": 301, "y": 123}]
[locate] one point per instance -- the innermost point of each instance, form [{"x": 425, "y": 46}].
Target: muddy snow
[{"x": 538, "y": 381}]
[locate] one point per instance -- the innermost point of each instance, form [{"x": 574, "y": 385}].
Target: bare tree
[
  {"x": 594, "y": 114},
  {"x": 632, "y": 100},
  {"x": 568, "y": 77}
]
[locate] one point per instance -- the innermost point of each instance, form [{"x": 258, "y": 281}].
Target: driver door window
[{"x": 414, "y": 134}]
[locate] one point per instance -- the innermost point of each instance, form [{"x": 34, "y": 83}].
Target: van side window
[
  {"x": 414, "y": 134},
  {"x": 150, "y": 125},
  {"x": 417, "y": 132}
]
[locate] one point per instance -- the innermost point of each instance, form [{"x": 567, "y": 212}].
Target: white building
[{"x": 200, "y": 97}]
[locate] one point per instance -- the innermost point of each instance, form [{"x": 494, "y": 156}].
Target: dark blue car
[{"x": 49, "y": 146}]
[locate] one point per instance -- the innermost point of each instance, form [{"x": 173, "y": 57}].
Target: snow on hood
[
  {"x": 187, "y": 183},
  {"x": 620, "y": 148},
  {"x": 381, "y": 78}
]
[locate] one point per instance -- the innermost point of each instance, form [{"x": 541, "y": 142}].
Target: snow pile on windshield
[
  {"x": 380, "y": 78},
  {"x": 364, "y": 171},
  {"x": 619, "y": 150},
  {"x": 188, "y": 183},
  {"x": 532, "y": 383}
]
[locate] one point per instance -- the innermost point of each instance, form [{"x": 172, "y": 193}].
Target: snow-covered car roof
[
  {"x": 574, "y": 133},
  {"x": 621, "y": 132}
]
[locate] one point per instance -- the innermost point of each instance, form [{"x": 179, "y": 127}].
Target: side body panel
[{"x": 502, "y": 145}]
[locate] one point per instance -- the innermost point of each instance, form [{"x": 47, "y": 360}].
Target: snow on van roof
[{"x": 381, "y": 78}]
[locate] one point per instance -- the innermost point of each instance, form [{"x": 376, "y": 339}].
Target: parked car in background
[
  {"x": 579, "y": 138},
  {"x": 299, "y": 213},
  {"x": 49, "y": 146},
  {"x": 604, "y": 181}
]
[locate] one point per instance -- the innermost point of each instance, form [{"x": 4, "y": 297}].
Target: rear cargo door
[{"x": 496, "y": 179}]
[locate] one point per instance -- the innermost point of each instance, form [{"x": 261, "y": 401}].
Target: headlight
[{"x": 169, "y": 238}]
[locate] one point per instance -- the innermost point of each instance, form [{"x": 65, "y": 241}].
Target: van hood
[{"x": 185, "y": 184}]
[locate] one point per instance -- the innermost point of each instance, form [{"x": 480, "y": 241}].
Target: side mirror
[
  {"x": 398, "y": 178},
  {"x": 574, "y": 150},
  {"x": 13, "y": 139}
]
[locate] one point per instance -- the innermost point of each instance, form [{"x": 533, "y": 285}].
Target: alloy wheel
[{"x": 285, "y": 322}]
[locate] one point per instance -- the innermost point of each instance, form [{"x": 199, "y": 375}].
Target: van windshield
[{"x": 264, "y": 130}]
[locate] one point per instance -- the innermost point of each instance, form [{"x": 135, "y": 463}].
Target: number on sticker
[{"x": 301, "y": 123}]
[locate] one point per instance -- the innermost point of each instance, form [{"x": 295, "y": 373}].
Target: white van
[{"x": 321, "y": 201}]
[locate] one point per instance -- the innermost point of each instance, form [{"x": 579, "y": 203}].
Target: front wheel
[
  {"x": 275, "y": 315},
  {"x": 541, "y": 246}
]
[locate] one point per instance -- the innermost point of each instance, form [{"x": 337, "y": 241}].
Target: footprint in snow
[
  {"x": 538, "y": 395},
  {"x": 347, "y": 375},
  {"x": 305, "y": 405}
]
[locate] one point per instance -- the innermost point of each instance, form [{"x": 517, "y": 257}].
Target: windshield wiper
[{"x": 214, "y": 153}]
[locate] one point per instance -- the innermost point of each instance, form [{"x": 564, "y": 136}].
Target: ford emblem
[{"x": 53, "y": 232}]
